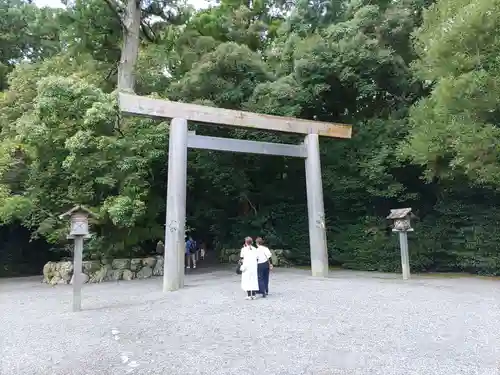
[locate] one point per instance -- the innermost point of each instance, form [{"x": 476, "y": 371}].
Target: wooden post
[
  {"x": 175, "y": 225},
  {"x": 77, "y": 273},
  {"x": 315, "y": 208},
  {"x": 405, "y": 258}
]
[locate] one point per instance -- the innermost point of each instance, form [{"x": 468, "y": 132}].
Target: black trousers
[{"x": 263, "y": 275}]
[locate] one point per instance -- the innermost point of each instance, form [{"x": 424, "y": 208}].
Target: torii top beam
[{"x": 144, "y": 106}]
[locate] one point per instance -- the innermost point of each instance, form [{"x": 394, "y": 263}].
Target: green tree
[
  {"x": 27, "y": 33},
  {"x": 423, "y": 109},
  {"x": 453, "y": 131}
]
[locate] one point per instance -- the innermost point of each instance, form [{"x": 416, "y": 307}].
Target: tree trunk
[{"x": 130, "y": 46}]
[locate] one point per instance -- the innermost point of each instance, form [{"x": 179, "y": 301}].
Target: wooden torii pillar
[{"x": 180, "y": 140}]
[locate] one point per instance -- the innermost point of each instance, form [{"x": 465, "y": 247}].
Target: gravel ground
[{"x": 351, "y": 323}]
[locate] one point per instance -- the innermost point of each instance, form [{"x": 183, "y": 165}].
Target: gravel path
[{"x": 351, "y": 323}]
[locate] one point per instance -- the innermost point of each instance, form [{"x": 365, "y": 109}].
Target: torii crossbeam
[{"x": 180, "y": 140}]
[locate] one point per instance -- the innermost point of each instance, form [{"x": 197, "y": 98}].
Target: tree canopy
[{"x": 417, "y": 79}]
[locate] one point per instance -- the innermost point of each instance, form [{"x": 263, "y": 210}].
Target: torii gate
[{"x": 180, "y": 140}]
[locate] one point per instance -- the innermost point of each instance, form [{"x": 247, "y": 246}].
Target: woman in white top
[
  {"x": 265, "y": 264},
  {"x": 249, "y": 276}
]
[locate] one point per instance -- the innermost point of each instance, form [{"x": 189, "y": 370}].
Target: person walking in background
[
  {"x": 248, "y": 268},
  {"x": 197, "y": 253},
  {"x": 265, "y": 264},
  {"x": 203, "y": 250},
  {"x": 160, "y": 247},
  {"x": 191, "y": 249}
]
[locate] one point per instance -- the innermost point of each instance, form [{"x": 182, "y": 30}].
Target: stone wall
[
  {"x": 95, "y": 271},
  {"x": 280, "y": 258}
]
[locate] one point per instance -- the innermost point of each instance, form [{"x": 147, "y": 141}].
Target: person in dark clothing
[
  {"x": 264, "y": 259},
  {"x": 191, "y": 249}
]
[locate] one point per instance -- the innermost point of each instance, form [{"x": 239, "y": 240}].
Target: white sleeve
[
  {"x": 268, "y": 252},
  {"x": 242, "y": 252}
]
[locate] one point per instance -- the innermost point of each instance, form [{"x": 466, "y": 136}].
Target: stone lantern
[
  {"x": 79, "y": 229},
  {"x": 401, "y": 218}
]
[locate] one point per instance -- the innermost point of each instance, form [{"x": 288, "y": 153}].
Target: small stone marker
[
  {"x": 402, "y": 224},
  {"x": 79, "y": 230}
]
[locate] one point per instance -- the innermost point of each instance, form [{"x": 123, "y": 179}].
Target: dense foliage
[{"x": 418, "y": 80}]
